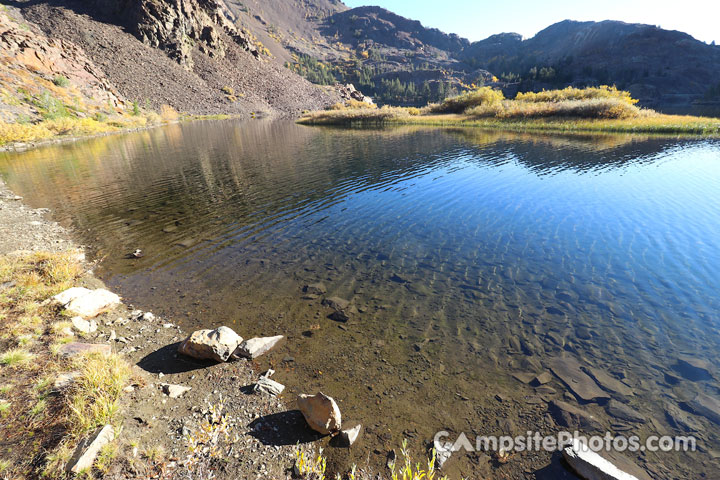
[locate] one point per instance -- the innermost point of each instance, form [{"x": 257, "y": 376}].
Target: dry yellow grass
[{"x": 28, "y": 367}]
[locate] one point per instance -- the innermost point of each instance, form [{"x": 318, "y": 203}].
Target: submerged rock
[
  {"x": 569, "y": 416},
  {"x": 336, "y": 303},
  {"x": 694, "y": 369},
  {"x": 255, "y": 347},
  {"x": 705, "y": 405},
  {"x": 217, "y": 344},
  {"x": 315, "y": 289},
  {"x": 87, "y": 450},
  {"x": 584, "y": 387},
  {"x": 609, "y": 383},
  {"x": 321, "y": 412},
  {"x": 623, "y": 412},
  {"x": 680, "y": 419}
]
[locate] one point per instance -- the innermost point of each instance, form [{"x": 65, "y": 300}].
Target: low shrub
[
  {"x": 471, "y": 99},
  {"x": 600, "y": 108},
  {"x": 572, "y": 93},
  {"x": 61, "y": 81}
]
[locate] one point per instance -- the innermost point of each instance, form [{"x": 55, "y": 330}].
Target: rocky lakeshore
[{"x": 170, "y": 397}]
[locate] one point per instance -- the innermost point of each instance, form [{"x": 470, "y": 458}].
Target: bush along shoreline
[{"x": 592, "y": 109}]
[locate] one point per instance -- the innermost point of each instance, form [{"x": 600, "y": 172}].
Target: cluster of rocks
[
  {"x": 222, "y": 344},
  {"x": 349, "y": 92}
]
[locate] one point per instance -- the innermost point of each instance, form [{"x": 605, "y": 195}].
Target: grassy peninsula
[{"x": 582, "y": 110}]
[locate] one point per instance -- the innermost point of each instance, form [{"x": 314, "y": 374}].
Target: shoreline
[
  {"x": 155, "y": 427},
  {"x": 20, "y": 146}
]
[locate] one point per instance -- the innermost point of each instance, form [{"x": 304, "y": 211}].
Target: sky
[{"x": 478, "y": 19}]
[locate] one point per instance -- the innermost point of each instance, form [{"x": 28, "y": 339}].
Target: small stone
[
  {"x": 84, "y": 326},
  {"x": 255, "y": 347},
  {"x": 64, "y": 380},
  {"x": 174, "y": 391},
  {"x": 348, "y": 436},
  {"x": 321, "y": 412},
  {"x": 76, "y": 348},
  {"x": 271, "y": 387},
  {"x": 87, "y": 450}
]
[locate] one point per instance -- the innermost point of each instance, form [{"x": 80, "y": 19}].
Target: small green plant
[
  {"x": 61, "y": 81},
  {"x": 50, "y": 107},
  {"x": 408, "y": 471},
  {"x": 100, "y": 117},
  {"x": 4, "y": 466},
  {"x": 15, "y": 357},
  {"x": 135, "y": 109},
  {"x": 309, "y": 467},
  {"x": 4, "y": 407}
]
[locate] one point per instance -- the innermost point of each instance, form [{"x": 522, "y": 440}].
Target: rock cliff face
[{"x": 178, "y": 26}]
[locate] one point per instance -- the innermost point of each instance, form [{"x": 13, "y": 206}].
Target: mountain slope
[
  {"x": 185, "y": 53},
  {"x": 660, "y": 67}
]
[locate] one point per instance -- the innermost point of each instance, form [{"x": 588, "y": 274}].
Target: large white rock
[
  {"x": 590, "y": 465},
  {"x": 255, "y": 347},
  {"x": 69, "y": 295},
  {"x": 217, "y": 344},
  {"x": 86, "y": 452},
  {"x": 93, "y": 303},
  {"x": 321, "y": 412}
]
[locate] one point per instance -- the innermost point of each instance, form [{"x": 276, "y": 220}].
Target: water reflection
[{"x": 468, "y": 256}]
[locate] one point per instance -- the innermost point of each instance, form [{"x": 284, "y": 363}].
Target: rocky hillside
[
  {"x": 41, "y": 75},
  {"x": 402, "y": 62},
  {"x": 660, "y": 67},
  {"x": 189, "y": 54}
]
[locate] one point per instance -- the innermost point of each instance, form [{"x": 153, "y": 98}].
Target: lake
[{"x": 468, "y": 257}]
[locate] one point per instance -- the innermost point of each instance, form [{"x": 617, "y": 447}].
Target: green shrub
[
  {"x": 61, "y": 81},
  {"x": 50, "y": 107},
  {"x": 135, "y": 109}
]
